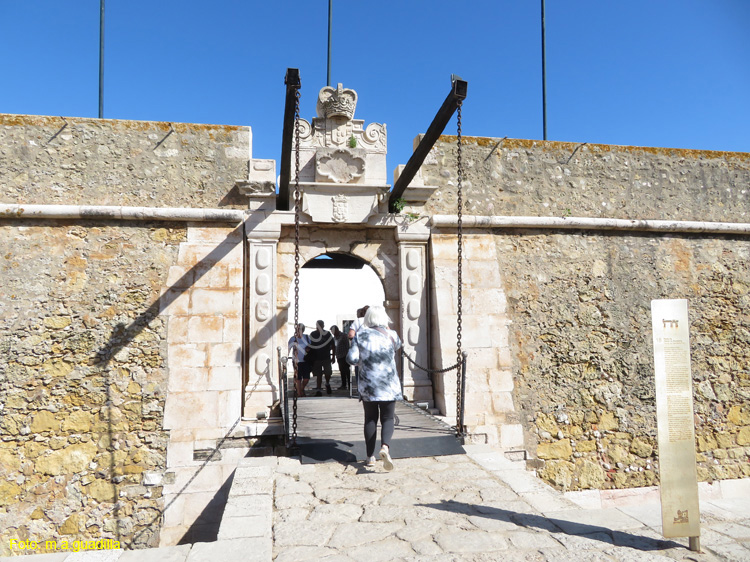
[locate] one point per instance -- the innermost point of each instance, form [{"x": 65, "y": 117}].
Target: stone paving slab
[
  {"x": 236, "y": 550},
  {"x": 478, "y": 507},
  {"x": 164, "y": 554}
]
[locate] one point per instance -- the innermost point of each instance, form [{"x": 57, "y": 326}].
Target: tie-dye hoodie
[{"x": 375, "y": 353}]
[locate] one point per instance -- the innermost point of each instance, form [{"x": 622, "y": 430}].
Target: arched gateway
[{"x": 344, "y": 209}]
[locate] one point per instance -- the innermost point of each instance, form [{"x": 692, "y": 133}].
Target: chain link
[
  {"x": 459, "y": 198},
  {"x": 297, "y": 205},
  {"x": 425, "y": 369}
]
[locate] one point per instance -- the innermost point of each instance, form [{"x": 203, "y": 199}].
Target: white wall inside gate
[{"x": 334, "y": 295}]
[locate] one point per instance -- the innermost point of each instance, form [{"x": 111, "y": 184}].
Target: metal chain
[
  {"x": 425, "y": 369},
  {"x": 297, "y": 206},
  {"x": 459, "y": 198}
]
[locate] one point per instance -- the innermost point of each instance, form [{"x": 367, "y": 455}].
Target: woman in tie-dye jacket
[{"x": 374, "y": 349}]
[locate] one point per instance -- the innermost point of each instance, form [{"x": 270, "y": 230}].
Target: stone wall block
[
  {"x": 484, "y": 298},
  {"x": 230, "y": 408},
  {"x": 443, "y": 248},
  {"x": 232, "y": 330},
  {"x": 502, "y": 402},
  {"x": 447, "y": 297},
  {"x": 187, "y": 379},
  {"x": 213, "y": 235},
  {"x": 208, "y": 329},
  {"x": 180, "y": 277},
  {"x": 191, "y": 410},
  {"x": 187, "y": 355},
  {"x": 511, "y": 436},
  {"x": 499, "y": 333},
  {"x": 214, "y": 276},
  {"x": 178, "y": 329},
  {"x": 446, "y": 272},
  {"x": 504, "y": 358},
  {"x": 180, "y": 453},
  {"x": 502, "y": 381},
  {"x": 202, "y": 478},
  {"x": 215, "y": 301},
  {"x": 225, "y": 378},
  {"x": 174, "y": 514},
  {"x": 44, "y": 421},
  {"x": 225, "y": 355},
  {"x": 481, "y": 359},
  {"x": 207, "y": 255},
  {"x": 479, "y": 248},
  {"x": 235, "y": 277},
  {"x": 476, "y": 331},
  {"x": 175, "y": 301},
  {"x": 482, "y": 274}
]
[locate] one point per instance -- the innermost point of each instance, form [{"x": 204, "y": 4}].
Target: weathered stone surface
[
  {"x": 471, "y": 541},
  {"x": 74, "y": 458},
  {"x": 145, "y": 160},
  {"x": 83, "y": 411},
  {"x": 555, "y": 450},
  {"x": 579, "y": 303}
]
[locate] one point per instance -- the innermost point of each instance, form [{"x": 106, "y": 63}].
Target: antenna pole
[
  {"x": 330, "y": 19},
  {"x": 101, "y": 59},
  {"x": 544, "y": 77}
]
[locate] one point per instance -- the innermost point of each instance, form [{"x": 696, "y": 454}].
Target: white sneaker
[
  {"x": 371, "y": 461},
  {"x": 385, "y": 456}
]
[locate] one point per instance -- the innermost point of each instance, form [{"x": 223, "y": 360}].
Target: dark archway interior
[{"x": 333, "y": 260}]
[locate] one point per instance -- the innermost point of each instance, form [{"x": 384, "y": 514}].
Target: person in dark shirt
[
  {"x": 322, "y": 354},
  {"x": 342, "y": 348}
]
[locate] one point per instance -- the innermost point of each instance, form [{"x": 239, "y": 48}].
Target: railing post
[
  {"x": 283, "y": 396},
  {"x": 461, "y": 432}
]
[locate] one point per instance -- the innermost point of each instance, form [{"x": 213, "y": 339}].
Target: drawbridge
[{"x": 330, "y": 428}]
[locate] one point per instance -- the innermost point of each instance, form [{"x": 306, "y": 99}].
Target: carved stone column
[
  {"x": 262, "y": 372},
  {"x": 412, "y": 250}
]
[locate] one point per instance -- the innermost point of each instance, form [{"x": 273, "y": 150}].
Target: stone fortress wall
[
  {"x": 109, "y": 329},
  {"x": 577, "y": 302},
  {"x": 122, "y": 341}
]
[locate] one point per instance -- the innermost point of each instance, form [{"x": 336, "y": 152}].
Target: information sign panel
[{"x": 674, "y": 415}]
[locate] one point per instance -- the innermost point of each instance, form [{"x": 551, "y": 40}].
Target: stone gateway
[{"x": 146, "y": 274}]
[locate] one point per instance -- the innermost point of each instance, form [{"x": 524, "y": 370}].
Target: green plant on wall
[
  {"x": 399, "y": 204},
  {"x": 352, "y": 142}
]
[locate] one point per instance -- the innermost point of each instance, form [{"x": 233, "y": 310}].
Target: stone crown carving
[{"x": 338, "y": 102}]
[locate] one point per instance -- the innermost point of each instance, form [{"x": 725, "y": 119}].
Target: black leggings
[{"x": 387, "y": 413}]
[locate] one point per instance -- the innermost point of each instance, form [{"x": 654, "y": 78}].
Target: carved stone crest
[
  {"x": 340, "y": 208},
  {"x": 338, "y": 166}
]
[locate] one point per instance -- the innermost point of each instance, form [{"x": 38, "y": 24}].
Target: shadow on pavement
[{"x": 593, "y": 532}]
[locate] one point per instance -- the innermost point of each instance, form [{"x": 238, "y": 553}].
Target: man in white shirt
[{"x": 298, "y": 346}]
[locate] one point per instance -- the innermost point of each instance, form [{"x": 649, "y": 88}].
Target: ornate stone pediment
[{"x": 342, "y": 164}]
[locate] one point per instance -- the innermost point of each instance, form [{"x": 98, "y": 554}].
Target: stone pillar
[
  {"x": 262, "y": 323},
  {"x": 412, "y": 256}
]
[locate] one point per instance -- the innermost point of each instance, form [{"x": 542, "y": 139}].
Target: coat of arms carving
[{"x": 340, "y": 208}]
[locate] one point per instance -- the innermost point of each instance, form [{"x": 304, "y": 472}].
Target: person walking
[
  {"x": 322, "y": 354},
  {"x": 359, "y": 321},
  {"x": 374, "y": 349},
  {"x": 342, "y": 348},
  {"x": 298, "y": 346}
]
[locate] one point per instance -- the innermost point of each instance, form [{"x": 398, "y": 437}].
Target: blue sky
[{"x": 642, "y": 72}]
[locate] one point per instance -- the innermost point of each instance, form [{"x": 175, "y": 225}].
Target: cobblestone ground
[{"x": 465, "y": 508}]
